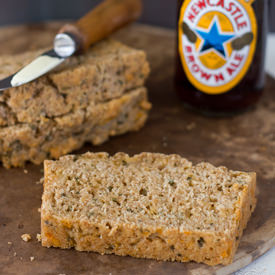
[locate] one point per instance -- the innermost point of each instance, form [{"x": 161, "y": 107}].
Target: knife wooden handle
[{"x": 100, "y": 22}]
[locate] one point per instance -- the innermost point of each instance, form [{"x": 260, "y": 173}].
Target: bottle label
[{"x": 217, "y": 42}]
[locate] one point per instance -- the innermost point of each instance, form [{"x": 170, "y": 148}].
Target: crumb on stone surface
[
  {"x": 191, "y": 126},
  {"x": 14, "y": 254},
  {"x": 26, "y": 237},
  {"x": 38, "y": 237},
  {"x": 25, "y": 171},
  {"x": 41, "y": 181},
  {"x": 32, "y": 258},
  {"x": 10, "y": 243}
]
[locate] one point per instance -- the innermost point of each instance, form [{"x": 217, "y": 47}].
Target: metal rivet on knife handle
[
  {"x": 240, "y": 42},
  {"x": 102, "y": 21},
  {"x": 64, "y": 45},
  {"x": 191, "y": 35}
]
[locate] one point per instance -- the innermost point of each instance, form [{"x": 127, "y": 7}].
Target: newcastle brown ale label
[{"x": 217, "y": 41}]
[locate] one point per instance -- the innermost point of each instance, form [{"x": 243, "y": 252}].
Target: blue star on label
[{"x": 214, "y": 39}]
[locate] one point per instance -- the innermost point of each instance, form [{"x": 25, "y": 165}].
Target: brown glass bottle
[{"x": 248, "y": 89}]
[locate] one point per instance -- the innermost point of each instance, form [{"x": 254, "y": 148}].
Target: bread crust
[{"x": 143, "y": 240}]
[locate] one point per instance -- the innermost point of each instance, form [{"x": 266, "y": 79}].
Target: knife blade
[
  {"x": 38, "y": 67},
  {"x": 96, "y": 25}
]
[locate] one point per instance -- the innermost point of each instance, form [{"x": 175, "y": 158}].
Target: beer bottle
[{"x": 220, "y": 54}]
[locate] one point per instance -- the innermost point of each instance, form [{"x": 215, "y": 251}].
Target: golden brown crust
[{"x": 123, "y": 234}]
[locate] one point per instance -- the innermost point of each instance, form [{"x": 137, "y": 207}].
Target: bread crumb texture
[
  {"x": 38, "y": 237},
  {"x": 32, "y": 258},
  {"x": 148, "y": 206},
  {"x": 89, "y": 98},
  {"x": 26, "y": 237}
]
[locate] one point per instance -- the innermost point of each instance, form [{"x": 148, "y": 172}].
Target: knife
[{"x": 96, "y": 25}]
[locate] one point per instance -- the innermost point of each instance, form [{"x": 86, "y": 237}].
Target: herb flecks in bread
[{"x": 149, "y": 206}]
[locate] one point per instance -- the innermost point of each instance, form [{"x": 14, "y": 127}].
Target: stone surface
[{"x": 244, "y": 142}]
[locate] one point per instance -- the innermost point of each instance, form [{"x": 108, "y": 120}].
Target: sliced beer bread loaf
[
  {"x": 149, "y": 206},
  {"x": 88, "y": 98}
]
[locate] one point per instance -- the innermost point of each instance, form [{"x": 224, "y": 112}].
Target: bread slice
[
  {"x": 88, "y": 98},
  {"x": 52, "y": 138},
  {"x": 148, "y": 206}
]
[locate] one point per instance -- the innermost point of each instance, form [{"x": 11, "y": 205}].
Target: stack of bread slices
[{"x": 87, "y": 99}]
